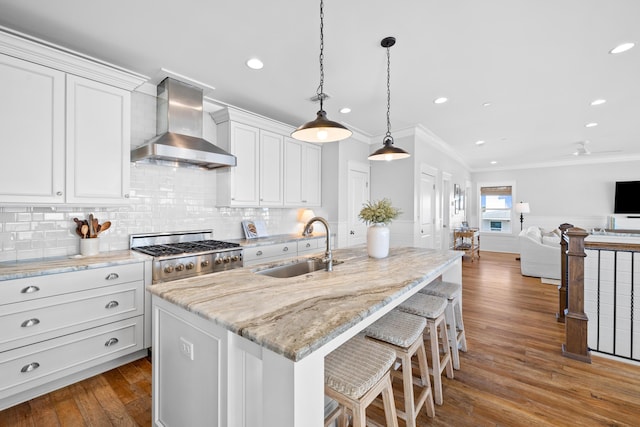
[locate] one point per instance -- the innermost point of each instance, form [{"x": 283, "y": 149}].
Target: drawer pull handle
[
  {"x": 30, "y": 367},
  {"x": 308, "y": 245},
  {"x": 112, "y": 276},
  {"x": 112, "y": 341},
  {"x": 285, "y": 249},
  {"x": 30, "y": 290},
  {"x": 112, "y": 304},
  {"x": 30, "y": 322},
  {"x": 259, "y": 253}
]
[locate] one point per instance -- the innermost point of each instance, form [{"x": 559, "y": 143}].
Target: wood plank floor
[{"x": 512, "y": 375}]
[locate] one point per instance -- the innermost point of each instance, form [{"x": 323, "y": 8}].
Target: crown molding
[{"x": 25, "y": 47}]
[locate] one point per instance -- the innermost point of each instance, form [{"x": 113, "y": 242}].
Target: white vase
[{"x": 378, "y": 241}]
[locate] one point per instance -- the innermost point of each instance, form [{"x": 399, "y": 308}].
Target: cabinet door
[
  {"x": 244, "y": 144},
  {"x": 98, "y": 142},
  {"x": 293, "y": 172},
  {"x": 271, "y": 156},
  {"x": 302, "y": 173},
  {"x": 311, "y": 175},
  {"x": 32, "y": 128}
]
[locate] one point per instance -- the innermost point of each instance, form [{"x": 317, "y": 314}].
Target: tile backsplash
[{"x": 162, "y": 199}]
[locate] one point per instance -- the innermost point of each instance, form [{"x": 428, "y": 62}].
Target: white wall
[{"x": 581, "y": 195}]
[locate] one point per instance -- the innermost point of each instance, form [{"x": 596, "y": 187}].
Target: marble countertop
[
  {"x": 295, "y": 316},
  {"x": 32, "y": 268},
  {"x": 272, "y": 240}
]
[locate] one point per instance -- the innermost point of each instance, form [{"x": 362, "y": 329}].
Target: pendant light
[
  {"x": 388, "y": 151},
  {"x": 321, "y": 129}
]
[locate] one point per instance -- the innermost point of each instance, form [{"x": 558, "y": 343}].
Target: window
[{"x": 496, "y": 203}]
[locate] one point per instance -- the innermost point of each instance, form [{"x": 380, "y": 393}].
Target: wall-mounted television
[{"x": 627, "y": 200}]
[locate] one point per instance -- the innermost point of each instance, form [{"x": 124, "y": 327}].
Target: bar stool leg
[
  {"x": 424, "y": 377},
  {"x": 439, "y": 363}
]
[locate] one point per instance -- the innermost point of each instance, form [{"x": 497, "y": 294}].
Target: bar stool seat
[
  {"x": 433, "y": 309},
  {"x": 453, "y": 314},
  {"x": 403, "y": 333},
  {"x": 354, "y": 375}
]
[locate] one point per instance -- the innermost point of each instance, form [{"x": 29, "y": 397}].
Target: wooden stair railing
[
  {"x": 564, "y": 277},
  {"x": 575, "y": 319}
]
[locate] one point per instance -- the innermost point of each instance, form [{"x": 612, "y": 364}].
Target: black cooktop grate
[{"x": 185, "y": 247}]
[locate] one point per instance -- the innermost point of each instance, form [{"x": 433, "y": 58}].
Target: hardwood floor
[{"x": 512, "y": 375}]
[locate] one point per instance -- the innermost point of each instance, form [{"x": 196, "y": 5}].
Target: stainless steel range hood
[{"x": 179, "y": 128}]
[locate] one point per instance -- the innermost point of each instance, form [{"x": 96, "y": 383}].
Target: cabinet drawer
[
  {"x": 32, "y": 288},
  {"x": 310, "y": 245},
  {"x": 37, "y": 364},
  {"x": 266, "y": 252},
  {"x": 45, "y": 318}
]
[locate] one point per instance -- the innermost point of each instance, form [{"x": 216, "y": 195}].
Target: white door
[
  {"x": 358, "y": 194},
  {"x": 427, "y": 208},
  {"x": 446, "y": 210}
]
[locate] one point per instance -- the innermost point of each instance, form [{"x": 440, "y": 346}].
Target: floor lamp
[{"x": 522, "y": 208}]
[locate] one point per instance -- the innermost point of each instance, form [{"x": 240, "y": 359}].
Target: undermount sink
[{"x": 298, "y": 268}]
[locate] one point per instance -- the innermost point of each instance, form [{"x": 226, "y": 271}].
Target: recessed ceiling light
[
  {"x": 598, "y": 101},
  {"x": 255, "y": 64},
  {"x": 486, "y": 104},
  {"x": 345, "y": 110},
  {"x": 622, "y": 48},
  {"x": 591, "y": 125},
  {"x": 480, "y": 142},
  {"x": 493, "y": 162},
  {"x": 440, "y": 100}
]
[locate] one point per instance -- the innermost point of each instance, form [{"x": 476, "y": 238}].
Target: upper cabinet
[
  {"x": 273, "y": 170},
  {"x": 32, "y": 124},
  {"x": 98, "y": 142},
  {"x": 66, "y": 122},
  {"x": 302, "y": 163}
]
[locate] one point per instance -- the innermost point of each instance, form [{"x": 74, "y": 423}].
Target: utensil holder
[{"x": 89, "y": 247}]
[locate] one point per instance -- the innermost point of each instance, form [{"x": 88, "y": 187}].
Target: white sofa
[{"x": 540, "y": 253}]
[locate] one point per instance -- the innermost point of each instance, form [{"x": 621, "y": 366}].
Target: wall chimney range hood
[{"x": 179, "y": 127}]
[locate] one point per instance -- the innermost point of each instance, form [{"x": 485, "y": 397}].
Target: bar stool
[
  {"x": 354, "y": 375},
  {"x": 453, "y": 314},
  {"x": 432, "y": 308},
  {"x": 402, "y": 332}
]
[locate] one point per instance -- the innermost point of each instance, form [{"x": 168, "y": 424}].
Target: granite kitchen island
[{"x": 238, "y": 348}]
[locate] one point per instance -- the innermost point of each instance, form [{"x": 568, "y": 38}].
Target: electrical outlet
[{"x": 186, "y": 348}]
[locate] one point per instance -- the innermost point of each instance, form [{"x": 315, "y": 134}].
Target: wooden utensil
[
  {"x": 91, "y": 230},
  {"x": 105, "y": 226},
  {"x": 84, "y": 230},
  {"x": 96, "y": 227}
]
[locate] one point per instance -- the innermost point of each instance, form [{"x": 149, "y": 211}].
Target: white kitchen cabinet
[
  {"x": 302, "y": 173},
  {"x": 271, "y": 173},
  {"x": 273, "y": 170},
  {"x": 65, "y": 120},
  {"x": 61, "y": 328},
  {"x": 32, "y": 123},
  {"x": 98, "y": 142},
  {"x": 265, "y": 253}
]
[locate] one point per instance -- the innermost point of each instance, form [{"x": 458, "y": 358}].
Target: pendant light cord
[
  {"x": 320, "y": 91},
  {"x": 388, "y": 92}
]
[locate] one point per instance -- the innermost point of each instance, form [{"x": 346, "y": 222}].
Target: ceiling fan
[{"x": 583, "y": 150}]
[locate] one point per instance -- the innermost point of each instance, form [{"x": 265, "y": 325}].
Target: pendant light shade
[
  {"x": 321, "y": 129},
  {"x": 388, "y": 151}
]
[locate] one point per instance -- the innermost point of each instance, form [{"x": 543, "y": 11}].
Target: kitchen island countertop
[{"x": 295, "y": 316}]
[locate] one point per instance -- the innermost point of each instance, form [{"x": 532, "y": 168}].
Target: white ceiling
[{"x": 539, "y": 63}]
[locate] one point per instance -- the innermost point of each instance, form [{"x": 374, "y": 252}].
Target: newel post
[
  {"x": 575, "y": 346},
  {"x": 564, "y": 277}
]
